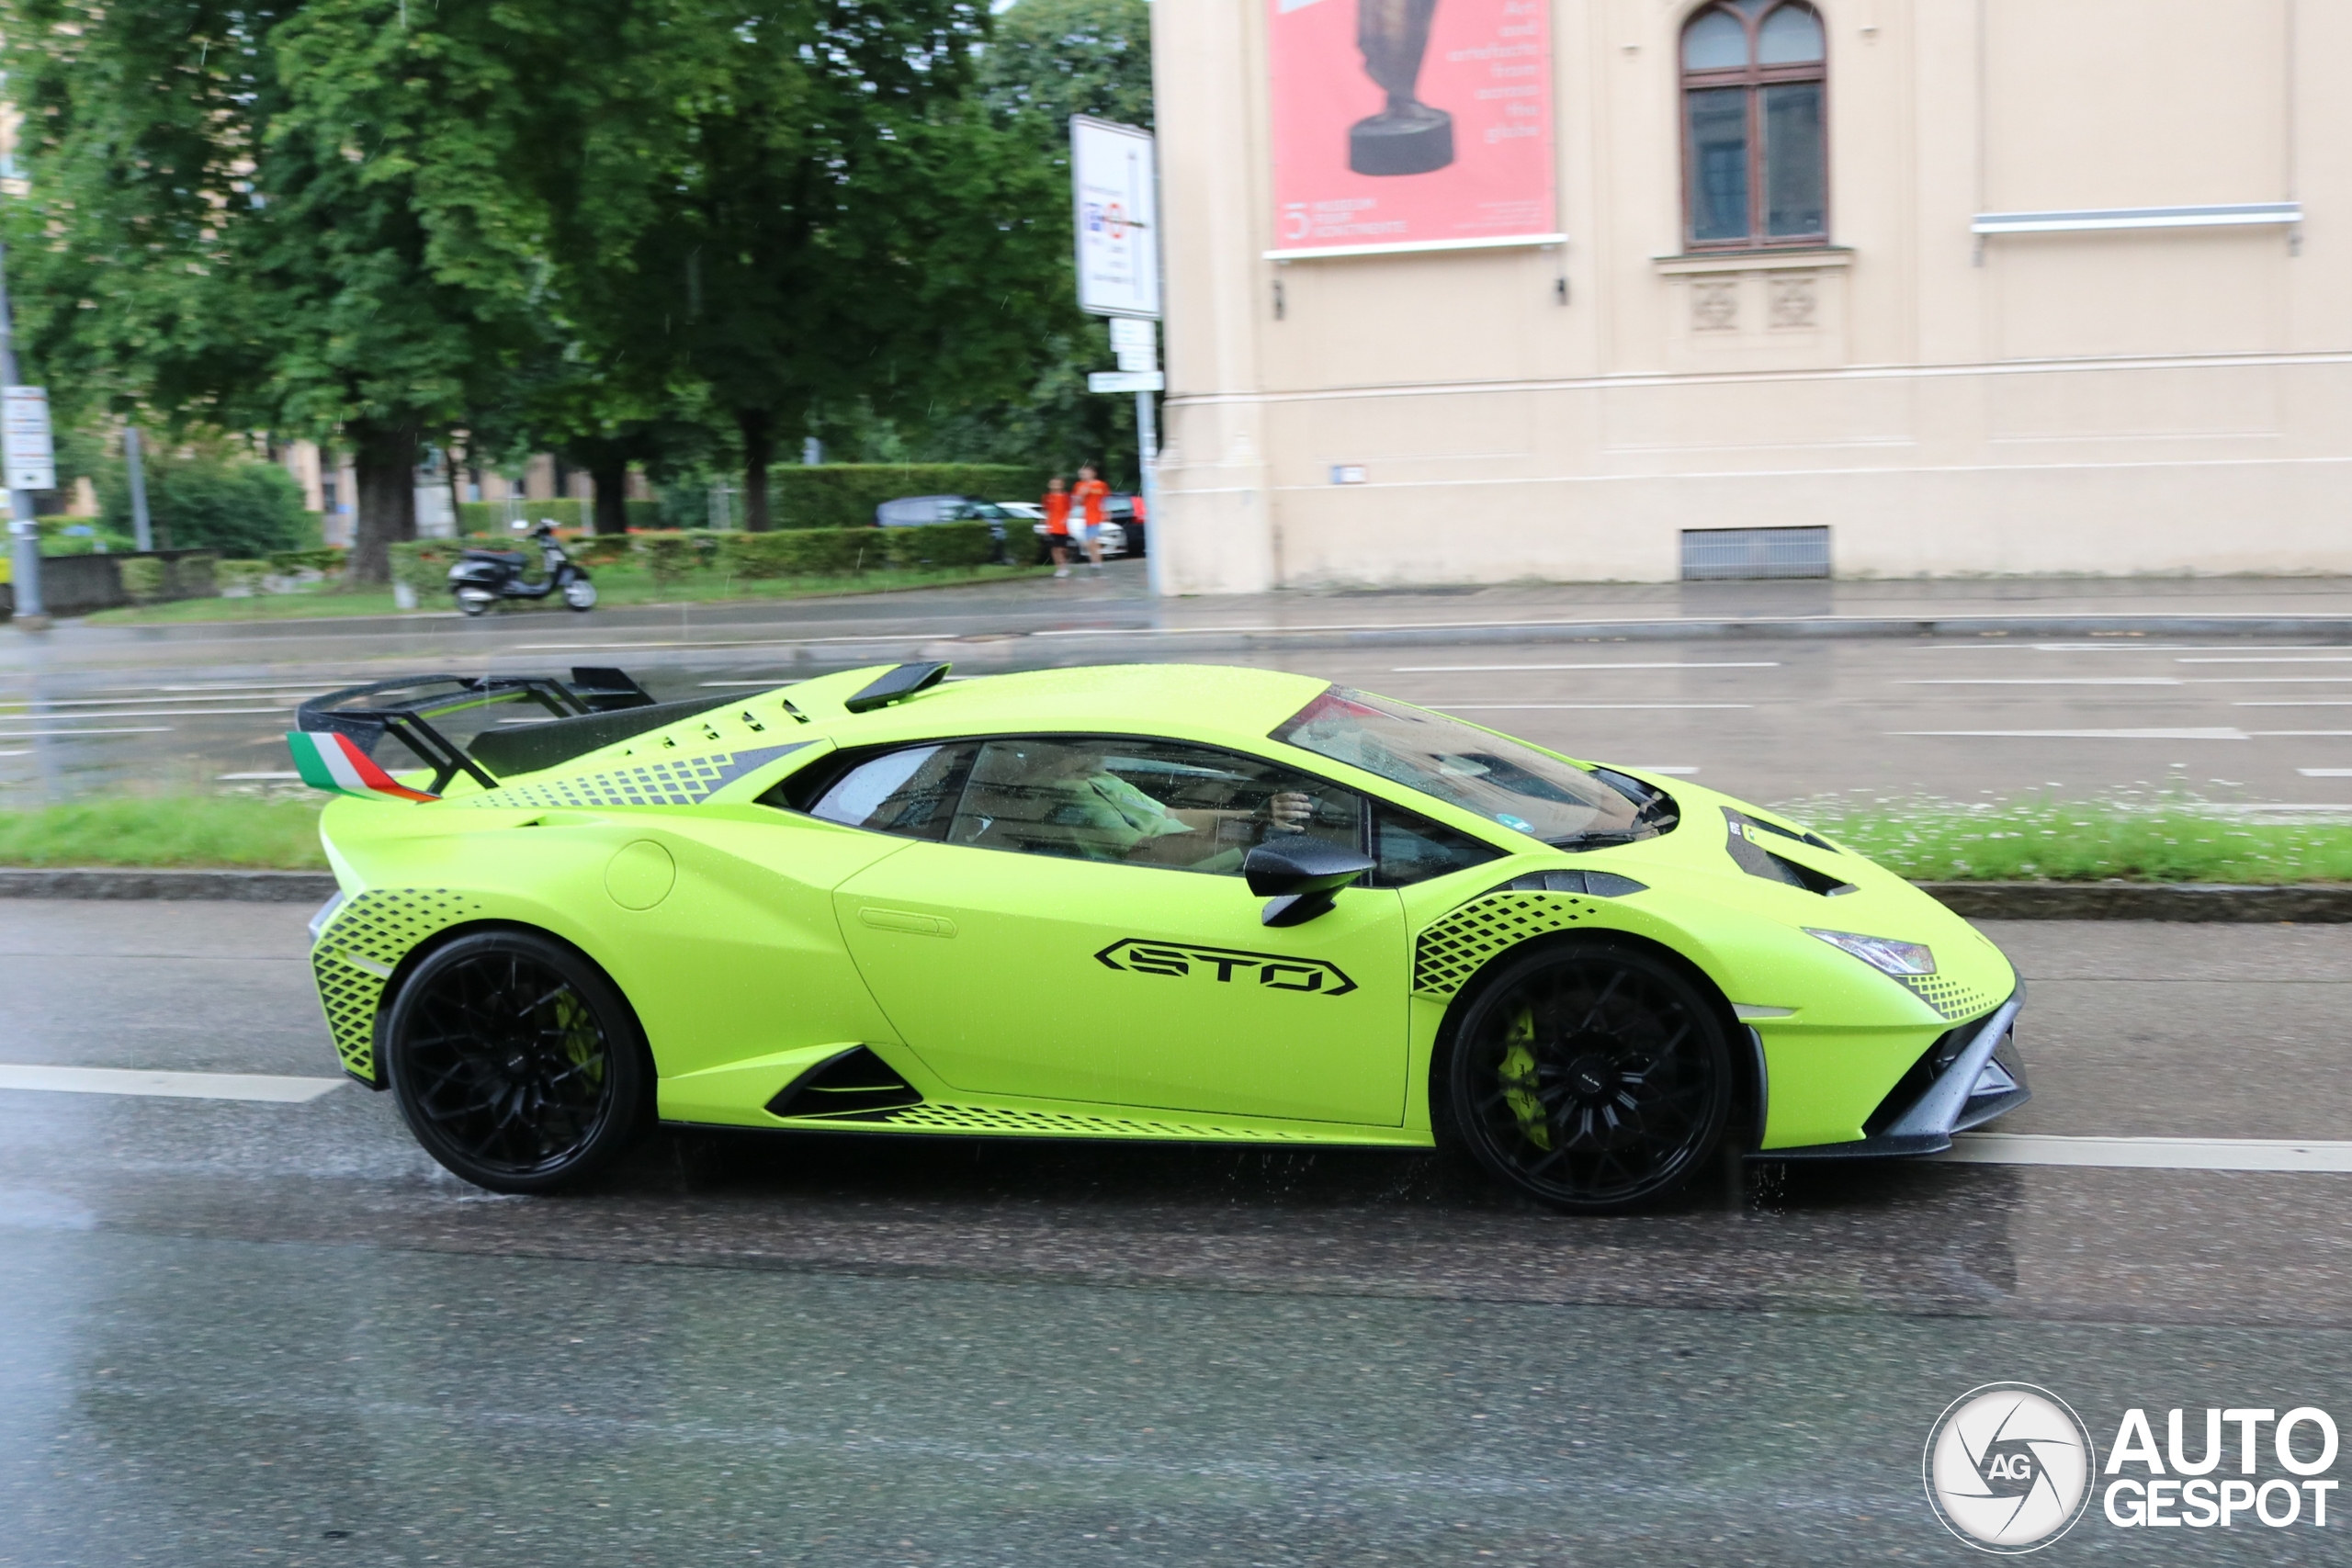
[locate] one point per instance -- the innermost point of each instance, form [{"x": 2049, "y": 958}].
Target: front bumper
[{"x": 1966, "y": 1079}]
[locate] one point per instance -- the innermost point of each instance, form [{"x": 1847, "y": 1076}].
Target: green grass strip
[
  {"x": 2045, "y": 840},
  {"x": 238, "y": 831},
  {"x": 2027, "y": 841}
]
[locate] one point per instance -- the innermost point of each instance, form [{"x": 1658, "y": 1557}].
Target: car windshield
[{"x": 1500, "y": 780}]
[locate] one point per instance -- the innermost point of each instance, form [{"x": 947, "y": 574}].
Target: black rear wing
[{"x": 406, "y": 706}]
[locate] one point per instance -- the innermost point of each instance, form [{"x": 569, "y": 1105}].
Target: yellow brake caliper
[{"x": 1517, "y": 1075}]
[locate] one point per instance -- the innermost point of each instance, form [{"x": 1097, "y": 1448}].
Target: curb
[
  {"x": 2318, "y": 904},
  {"x": 133, "y": 882}
]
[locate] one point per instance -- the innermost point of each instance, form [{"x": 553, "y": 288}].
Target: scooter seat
[{"x": 505, "y": 557}]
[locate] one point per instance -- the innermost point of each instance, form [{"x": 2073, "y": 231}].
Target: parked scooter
[{"x": 483, "y": 578}]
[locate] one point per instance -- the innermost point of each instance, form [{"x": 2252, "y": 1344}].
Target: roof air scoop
[{"x": 900, "y": 683}]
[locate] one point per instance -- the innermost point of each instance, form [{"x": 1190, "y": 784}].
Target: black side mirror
[{"x": 1300, "y": 876}]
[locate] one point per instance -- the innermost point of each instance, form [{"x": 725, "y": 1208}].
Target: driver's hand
[{"x": 1289, "y": 812}]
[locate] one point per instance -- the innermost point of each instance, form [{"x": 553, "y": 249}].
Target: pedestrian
[
  {"x": 1057, "y": 503},
  {"x": 1090, "y": 493}
]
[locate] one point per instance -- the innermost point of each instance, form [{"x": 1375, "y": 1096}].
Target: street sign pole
[
  {"x": 30, "y": 616},
  {"x": 142, "y": 529},
  {"x": 1115, "y": 187}
]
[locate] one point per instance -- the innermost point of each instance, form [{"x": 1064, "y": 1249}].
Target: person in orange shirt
[
  {"x": 1057, "y": 506},
  {"x": 1090, "y": 493}
]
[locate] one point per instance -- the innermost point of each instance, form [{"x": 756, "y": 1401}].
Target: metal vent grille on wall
[{"x": 1726, "y": 555}]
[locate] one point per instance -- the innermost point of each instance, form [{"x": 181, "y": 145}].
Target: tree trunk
[
  {"x": 757, "y": 427},
  {"x": 610, "y": 476},
  {"x": 383, "y": 461}
]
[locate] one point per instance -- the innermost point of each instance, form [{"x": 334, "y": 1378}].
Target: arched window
[{"x": 1755, "y": 164}]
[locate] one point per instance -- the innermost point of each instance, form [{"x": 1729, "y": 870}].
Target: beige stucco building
[{"x": 2081, "y": 303}]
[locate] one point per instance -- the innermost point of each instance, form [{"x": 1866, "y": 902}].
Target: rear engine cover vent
[{"x": 856, "y": 1082}]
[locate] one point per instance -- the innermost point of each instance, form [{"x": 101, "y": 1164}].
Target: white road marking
[
  {"x": 2055, "y": 681},
  {"x": 239, "y": 778},
  {"x": 152, "y": 712},
  {"x": 134, "y": 729},
  {"x": 2078, "y": 734},
  {"x": 2325, "y": 772},
  {"x": 20, "y": 752},
  {"x": 291, "y": 698},
  {"x": 2311, "y": 658},
  {"x": 2150, "y": 1154},
  {"x": 263, "y": 1086},
  {"x": 2267, "y": 734},
  {"x": 1682, "y": 664},
  {"x": 1577, "y": 708}
]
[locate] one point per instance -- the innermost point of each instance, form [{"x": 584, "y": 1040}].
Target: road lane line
[
  {"x": 1683, "y": 664},
  {"x": 262, "y": 1086},
  {"x": 2150, "y": 1154},
  {"x": 2084, "y": 734},
  {"x": 128, "y": 729},
  {"x": 2325, "y": 772}
]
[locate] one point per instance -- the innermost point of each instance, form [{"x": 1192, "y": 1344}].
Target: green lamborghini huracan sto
[{"x": 1175, "y": 902}]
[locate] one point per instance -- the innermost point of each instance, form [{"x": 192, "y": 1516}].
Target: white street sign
[
  {"x": 24, "y": 423},
  {"x": 1115, "y": 188},
  {"x": 1126, "y": 381},
  {"x": 1137, "y": 343}
]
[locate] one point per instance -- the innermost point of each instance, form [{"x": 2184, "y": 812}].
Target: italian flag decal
[{"x": 331, "y": 761}]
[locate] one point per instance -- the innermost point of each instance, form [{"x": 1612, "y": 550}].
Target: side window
[
  {"x": 1143, "y": 802},
  {"x": 911, "y": 791},
  {"x": 1411, "y": 848}
]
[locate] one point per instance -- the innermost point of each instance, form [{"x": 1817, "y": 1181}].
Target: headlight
[{"x": 1882, "y": 953}]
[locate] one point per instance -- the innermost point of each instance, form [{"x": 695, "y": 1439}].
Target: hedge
[
  {"x": 423, "y": 564},
  {"x": 843, "y": 495},
  {"x": 328, "y": 560},
  {"x": 490, "y": 517}
]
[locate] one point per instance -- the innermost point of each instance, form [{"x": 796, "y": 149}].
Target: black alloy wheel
[
  {"x": 1593, "y": 1076},
  {"x": 515, "y": 1062}
]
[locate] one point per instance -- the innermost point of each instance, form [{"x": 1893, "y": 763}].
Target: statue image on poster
[
  {"x": 1402, "y": 125},
  {"x": 1407, "y": 137}
]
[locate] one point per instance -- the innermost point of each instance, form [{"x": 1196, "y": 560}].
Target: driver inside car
[{"x": 1054, "y": 798}]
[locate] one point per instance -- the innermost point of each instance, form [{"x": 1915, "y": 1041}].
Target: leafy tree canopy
[{"x": 1052, "y": 59}]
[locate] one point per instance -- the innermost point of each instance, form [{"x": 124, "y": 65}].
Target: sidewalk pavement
[{"x": 1116, "y": 609}]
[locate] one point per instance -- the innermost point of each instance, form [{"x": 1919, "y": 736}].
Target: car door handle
[{"x": 906, "y": 920}]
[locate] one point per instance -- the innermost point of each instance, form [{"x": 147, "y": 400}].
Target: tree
[
  {"x": 1052, "y": 59},
  {"x": 844, "y": 222},
  {"x": 296, "y": 218}
]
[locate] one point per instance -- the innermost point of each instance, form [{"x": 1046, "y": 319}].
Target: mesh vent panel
[
  {"x": 1054, "y": 1124},
  {"x": 1449, "y": 952},
  {"x": 682, "y": 781},
  {"x": 358, "y": 953},
  {"x": 1948, "y": 997}
]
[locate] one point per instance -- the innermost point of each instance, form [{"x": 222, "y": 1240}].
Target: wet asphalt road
[
  {"x": 2259, "y": 719},
  {"x": 233, "y": 1332}
]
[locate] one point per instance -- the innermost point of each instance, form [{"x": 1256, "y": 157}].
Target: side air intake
[{"x": 856, "y": 1082}]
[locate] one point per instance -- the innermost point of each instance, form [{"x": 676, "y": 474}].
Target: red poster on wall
[{"x": 1410, "y": 124}]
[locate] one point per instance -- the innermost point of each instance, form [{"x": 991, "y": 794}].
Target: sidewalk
[{"x": 1117, "y": 610}]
